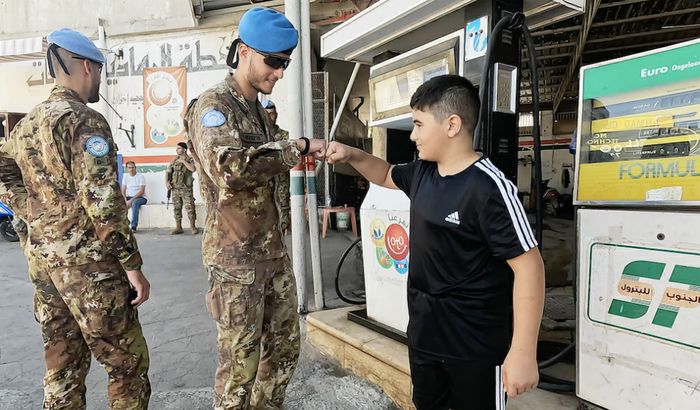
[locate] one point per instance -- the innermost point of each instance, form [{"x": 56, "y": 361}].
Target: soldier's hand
[
  {"x": 140, "y": 285},
  {"x": 337, "y": 152},
  {"x": 317, "y": 147},
  {"x": 169, "y": 185}
]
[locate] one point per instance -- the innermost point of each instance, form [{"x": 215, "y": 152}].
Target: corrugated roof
[{"x": 618, "y": 28}]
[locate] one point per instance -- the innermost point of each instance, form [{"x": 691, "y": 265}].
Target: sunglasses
[
  {"x": 99, "y": 65},
  {"x": 274, "y": 62}
]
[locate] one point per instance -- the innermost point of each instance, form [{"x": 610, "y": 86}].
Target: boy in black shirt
[{"x": 476, "y": 277}]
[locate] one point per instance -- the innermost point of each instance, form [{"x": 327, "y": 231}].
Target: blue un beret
[
  {"x": 267, "y": 30},
  {"x": 76, "y": 43}
]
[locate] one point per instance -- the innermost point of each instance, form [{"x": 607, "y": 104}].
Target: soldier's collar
[
  {"x": 65, "y": 92},
  {"x": 238, "y": 96},
  {"x": 235, "y": 89}
]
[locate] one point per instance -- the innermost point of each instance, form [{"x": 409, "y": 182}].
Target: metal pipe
[
  {"x": 307, "y": 96},
  {"x": 344, "y": 101},
  {"x": 311, "y": 197},
  {"x": 292, "y": 10},
  {"x": 311, "y": 201},
  {"x": 102, "y": 44},
  {"x": 326, "y": 167}
]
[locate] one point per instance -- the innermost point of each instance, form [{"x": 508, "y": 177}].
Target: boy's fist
[{"x": 337, "y": 152}]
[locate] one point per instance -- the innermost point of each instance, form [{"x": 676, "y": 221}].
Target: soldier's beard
[
  {"x": 94, "y": 95},
  {"x": 261, "y": 90}
]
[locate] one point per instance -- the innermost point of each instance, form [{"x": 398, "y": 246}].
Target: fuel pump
[
  {"x": 496, "y": 132},
  {"x": 637, "y": 196}
]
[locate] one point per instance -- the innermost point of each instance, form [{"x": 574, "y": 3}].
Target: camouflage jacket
[
  {"x": 180, "y": 176},
  {"x": 58, "y": 172},
  {"x": 243, "y": 174}
]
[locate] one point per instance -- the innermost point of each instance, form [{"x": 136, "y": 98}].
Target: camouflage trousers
[
  {"x": 255, "y": 309},
  {"x": 180, "y": 196},
  {"x": 83, "y": 310}
]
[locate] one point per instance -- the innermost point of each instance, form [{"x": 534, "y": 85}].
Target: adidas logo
[{"x": 453, "y": 218}]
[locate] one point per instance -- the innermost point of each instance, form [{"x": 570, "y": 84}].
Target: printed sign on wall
[
  {"x": 164, "y": 103},
  {"x": 390, "y": 236},
  {"x": 476, "y": 38}
]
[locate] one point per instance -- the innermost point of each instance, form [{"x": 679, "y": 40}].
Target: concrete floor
[{"x": 181, "y": 336}]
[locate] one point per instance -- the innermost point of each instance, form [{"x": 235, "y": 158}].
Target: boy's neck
[{"x": 457, "y": 160}]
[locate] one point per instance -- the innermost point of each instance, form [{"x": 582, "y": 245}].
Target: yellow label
[
  {"x": 635, "y": 289},
  {"x": 682, "y": 298},
  {"x": 655, "y": 119},
  {"x": 601, "y": 143},
  {"x": 631, "y": 180}
]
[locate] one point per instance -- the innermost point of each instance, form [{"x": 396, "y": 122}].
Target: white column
[
  {"x": 292, "y": 9},
  {"x": 315, "y": 243}
]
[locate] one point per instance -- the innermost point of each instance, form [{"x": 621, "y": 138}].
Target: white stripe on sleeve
[
  {"x": 518, "y": 206},
  {"x": 520, "y": 224}
]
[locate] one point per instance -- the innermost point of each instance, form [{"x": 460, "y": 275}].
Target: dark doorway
[{"x": 399, "y": 147}]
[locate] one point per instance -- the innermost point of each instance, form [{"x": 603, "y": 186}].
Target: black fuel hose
[
  {"x": 516, "y": 21},
  {"x": 337, "y": 276}
]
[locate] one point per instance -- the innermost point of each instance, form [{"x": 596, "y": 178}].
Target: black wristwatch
[{"x": 306, "y": 147}]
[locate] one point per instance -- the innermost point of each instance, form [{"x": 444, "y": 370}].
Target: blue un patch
[
  {"x": 97, "y": 146},
  {"x": 213, "y": 118}
]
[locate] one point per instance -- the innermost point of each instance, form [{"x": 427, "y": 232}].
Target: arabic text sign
[
  {"x": 652, "y": 292},
  {"x": 197, "y": 52}
]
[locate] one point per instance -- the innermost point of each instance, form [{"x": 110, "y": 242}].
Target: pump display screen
[{"x": 639, "y": 135}]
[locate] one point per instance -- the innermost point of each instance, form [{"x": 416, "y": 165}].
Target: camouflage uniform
[
  {"x": 182, "y": 180},
  {"x": 244, "y": 177},
  {"x": 78, "y": 247}
]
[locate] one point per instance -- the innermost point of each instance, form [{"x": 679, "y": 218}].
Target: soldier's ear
[
  {"x": 86, "y": 67},
  {"x": 243, "y": 51}
]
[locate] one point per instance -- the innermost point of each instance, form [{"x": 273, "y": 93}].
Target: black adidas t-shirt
[{"x": 464, "y": 228}]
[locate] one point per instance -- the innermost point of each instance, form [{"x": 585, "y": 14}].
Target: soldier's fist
[
  {"x": 140, "y": 285},
  {"x": 317, "y": 147},
  {"x": 337, "y": 152}
]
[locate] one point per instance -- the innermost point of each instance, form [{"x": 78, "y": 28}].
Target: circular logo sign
[
  {"x": 396, "y": 240},
  {"x": 376, "y": 231},
  {"x": 158, "y": 136},
  {"x": 401, "y": 266},
  {"x": 384, "y": 259}
]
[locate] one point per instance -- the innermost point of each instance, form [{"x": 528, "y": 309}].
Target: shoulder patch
[
  {"x": 97, "y": 146},
  {"x": 213, "y": 118}
]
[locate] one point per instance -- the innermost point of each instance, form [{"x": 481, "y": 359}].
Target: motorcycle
[
  {"x": 551, "y": 199},
  {"x": 7, "y": 231}
]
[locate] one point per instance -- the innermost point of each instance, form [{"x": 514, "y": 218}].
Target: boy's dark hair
[{"x": 449, "y": 94}]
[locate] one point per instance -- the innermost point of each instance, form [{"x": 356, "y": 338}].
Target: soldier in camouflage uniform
[
  {"x": 58, "y": 172},
  {"x": 243, "y": 171},
  {"x": 179, "y": 179},
  {"x": 271, "y": 110}
]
